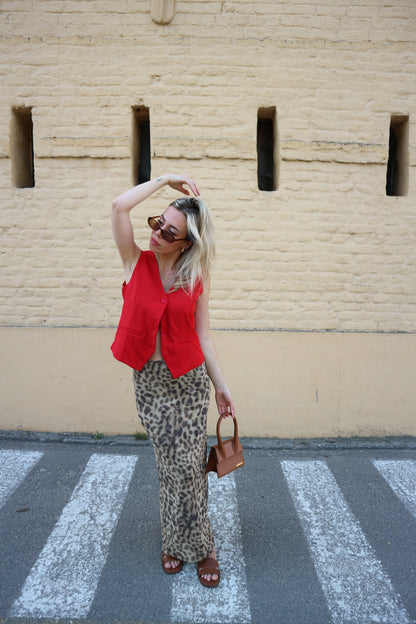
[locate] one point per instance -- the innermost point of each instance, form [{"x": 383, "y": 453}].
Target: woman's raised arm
[
  {"x": 122, "y": 205},
  {"x": 121, "y": 222}
]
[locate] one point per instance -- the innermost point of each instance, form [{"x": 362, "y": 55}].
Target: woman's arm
[
  {"x": 122, "y": 205},
  {"x": 121, "y": 223},
  {"x": 222, "y": 394}
]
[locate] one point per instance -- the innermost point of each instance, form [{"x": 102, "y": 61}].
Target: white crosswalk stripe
[
  {"x": 63, "y": 581},
  {"x": 355, "y": 585},
  {"x": 229, "y": 603},
  {"x": 401, "y": 476},
  {"x": 14, "y": 467}
]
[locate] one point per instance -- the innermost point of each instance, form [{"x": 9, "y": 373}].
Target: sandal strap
[{"x": 208, "y": 566}]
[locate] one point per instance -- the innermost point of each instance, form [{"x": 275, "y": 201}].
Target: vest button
[
  {"x": 164, "y": 335},
  {"x": 163, "y": 301}
]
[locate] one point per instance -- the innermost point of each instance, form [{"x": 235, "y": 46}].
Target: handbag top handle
[{"x": 235, "y": 440}]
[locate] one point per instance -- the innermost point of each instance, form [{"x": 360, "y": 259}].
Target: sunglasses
[{"x": 167, "y": 236}]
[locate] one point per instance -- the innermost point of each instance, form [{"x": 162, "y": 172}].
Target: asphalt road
[{"x": 307, "y": 534}]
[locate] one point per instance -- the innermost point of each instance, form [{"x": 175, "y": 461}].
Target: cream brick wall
[{"x": 327, "y": 251}]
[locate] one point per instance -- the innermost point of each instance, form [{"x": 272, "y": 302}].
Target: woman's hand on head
[{"x": 178, "y": 183}]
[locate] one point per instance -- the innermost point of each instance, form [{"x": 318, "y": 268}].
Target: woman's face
[{"x": 174, "y": 221}]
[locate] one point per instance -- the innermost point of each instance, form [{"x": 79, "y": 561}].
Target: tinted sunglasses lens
[
  {"x": 167, "y": 236},
  {"x": 155, "y": 225}
]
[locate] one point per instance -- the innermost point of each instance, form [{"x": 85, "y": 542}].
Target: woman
[{"x": 164, "y": 336}]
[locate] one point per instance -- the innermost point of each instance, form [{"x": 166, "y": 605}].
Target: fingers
[
  {"x": 195, "y": 190},
  {"x": 182, "y": 189},
  {"x": 179, "y": 182},
  {"x": 226, "y": 411},
  {"x": 192, "y": 185},
  {"x": 231, "y": 411}
]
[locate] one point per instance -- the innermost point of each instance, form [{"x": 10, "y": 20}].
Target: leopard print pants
[{"x": 173, "y": 413}]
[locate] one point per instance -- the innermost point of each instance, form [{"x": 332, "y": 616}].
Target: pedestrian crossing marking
[
  {"x": 63, "y": 581},
  {"x": 14, "y": 467},
  {"x": 353, "y": 581},
  {"x": 191, "y": 602},
  {"x": 401, "y": 476}
]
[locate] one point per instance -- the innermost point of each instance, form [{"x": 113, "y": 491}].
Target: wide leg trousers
[{"x": 173, "y": 413}]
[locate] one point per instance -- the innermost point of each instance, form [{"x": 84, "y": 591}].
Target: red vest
[{"x": 147, "y": 307}]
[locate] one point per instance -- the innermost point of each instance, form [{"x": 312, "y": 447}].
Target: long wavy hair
[{"x": 195, "y": 261}]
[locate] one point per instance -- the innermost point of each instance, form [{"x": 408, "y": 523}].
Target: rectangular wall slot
[
  {"x": 397, "y": 179},
  {"x": 267, "y": 149},
  {"x": 141, "y": 145},
  {"x": 21, "y": 148}
]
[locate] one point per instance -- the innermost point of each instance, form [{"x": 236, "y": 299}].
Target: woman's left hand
[
  {"x": 178, "y": 183},
  {"x": 225, "y": 403}
]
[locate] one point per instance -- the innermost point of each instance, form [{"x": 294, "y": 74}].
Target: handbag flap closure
[{"x": 229, "y": 451}]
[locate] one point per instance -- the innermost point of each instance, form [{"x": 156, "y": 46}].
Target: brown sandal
[
  {"x": 208, "y": 566},
  {"x": 166, "y": 559}
]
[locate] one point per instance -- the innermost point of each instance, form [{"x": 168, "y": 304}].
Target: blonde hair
[{"x": 195, "y": 261}]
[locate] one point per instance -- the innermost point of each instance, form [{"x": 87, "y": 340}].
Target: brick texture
[{"x": 327, "y": 251}]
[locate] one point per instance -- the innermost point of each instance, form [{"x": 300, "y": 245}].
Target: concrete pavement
[{"x": 309, "y": 531}]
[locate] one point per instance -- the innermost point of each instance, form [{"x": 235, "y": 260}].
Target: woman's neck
[
  {"x": 167, "y": 270},
  {"x": 167, "y": 263}
]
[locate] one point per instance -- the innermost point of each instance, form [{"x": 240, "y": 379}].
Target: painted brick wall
[{"x": 327, "y": 251}]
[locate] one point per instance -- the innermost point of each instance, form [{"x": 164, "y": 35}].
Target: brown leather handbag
[{"x": 226, "y": 456}]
